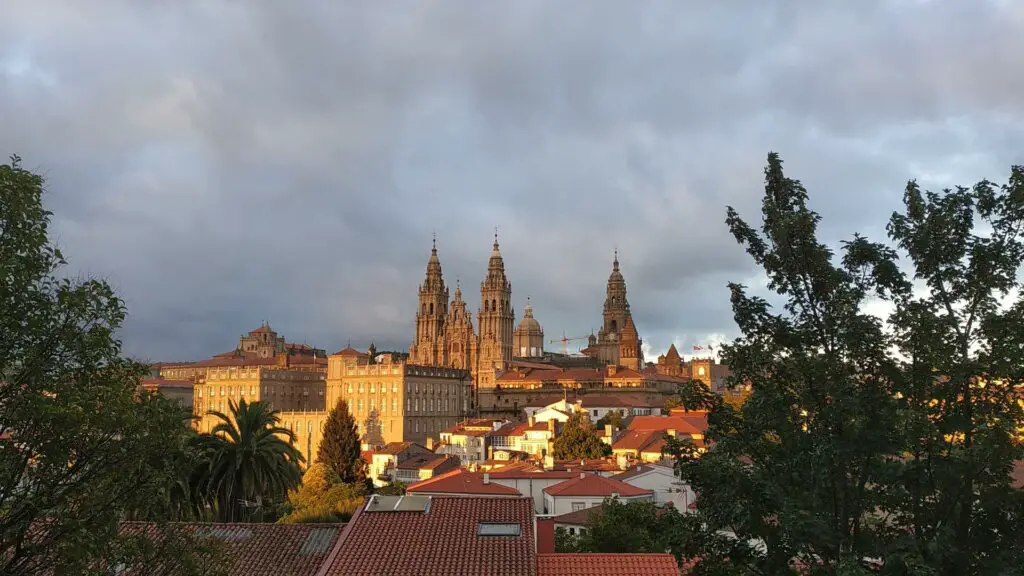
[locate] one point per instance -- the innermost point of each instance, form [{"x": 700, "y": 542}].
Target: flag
[
  {"x": 710, "y": 348},
  {"x": 697, "y": 348}
]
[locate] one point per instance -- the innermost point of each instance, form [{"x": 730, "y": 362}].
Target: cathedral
[{"x": 445, "y": 334}]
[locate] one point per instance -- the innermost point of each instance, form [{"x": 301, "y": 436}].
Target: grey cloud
[{"x": 225, "y": 163}]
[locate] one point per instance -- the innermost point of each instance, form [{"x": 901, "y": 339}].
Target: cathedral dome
[{"x": 529, "y": 324}]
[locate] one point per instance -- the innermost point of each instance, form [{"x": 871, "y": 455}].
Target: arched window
[
  {"x": 424, "y": 308},
  {"x": 431, "y": 307},
  {"x": 494, "y": 305},
  {"x": 615, "y": 325}
]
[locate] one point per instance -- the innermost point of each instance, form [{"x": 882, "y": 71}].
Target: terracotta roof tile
[
  {"x": 463, "y": 482},
  {"x": 641, "y": 441},
  {"x": 692, "y": 423},
  {"x": 263, "y": 549},
  {"x": 594, "y": 485},
  {"x": 442, "y": 542},
  {"x": 428, "y": 461},
  {"x": 606, "y": 565},
  {"x": 579, "y": 517},
  {"x": 349, "y": 352}
]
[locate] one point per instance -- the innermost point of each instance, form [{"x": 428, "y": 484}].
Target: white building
[
  {"x": 589, "y": 490},
  {"x": 660, "y": 479}
]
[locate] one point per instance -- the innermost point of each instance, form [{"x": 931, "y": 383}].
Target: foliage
[
  {"x": 614, "y": 418},
  {"x": 80, "y": 449},
  {"x": 322, "y": 497},
  {"x": 845, "y": 450},
  {"x": 339, "y": 448},
  {"x": 634, "y": 527},
  {"x": 251, "y": 461},
  {"x": 578, "y": 441},
  {"x": 393, "y": 489}
]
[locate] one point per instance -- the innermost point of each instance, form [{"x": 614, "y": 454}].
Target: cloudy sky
[{"x": 225, "y": 162}]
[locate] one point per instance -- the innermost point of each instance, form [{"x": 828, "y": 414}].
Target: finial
[
  {"x": 495, "y": 236},
  {"x": 433, "y": 242}
]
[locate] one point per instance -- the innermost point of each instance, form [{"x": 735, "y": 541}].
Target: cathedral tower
[
  {"x": 615, "y": 314},
  {"x": 428, "y": 346},
  {"x": 496, "y": 316},
  {"x": 459, "y": 336}
]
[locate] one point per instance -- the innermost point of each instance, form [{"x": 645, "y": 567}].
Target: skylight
[{"x": 497, "y": 529}]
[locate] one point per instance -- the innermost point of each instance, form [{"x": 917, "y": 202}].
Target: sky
[{"x": 226, "y": 162}]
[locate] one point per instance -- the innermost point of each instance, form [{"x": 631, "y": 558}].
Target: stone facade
[{"x": 528, "y": 337}]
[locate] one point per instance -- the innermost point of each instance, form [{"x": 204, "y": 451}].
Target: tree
[
  {"x": 863, "y": 440},
  {"x": 392, "y": 489},
  {"x": 322, "y": 497},
  {"x": 339, "y": 448},
  {"x": 250, "y": 459},
  {"x": 960, "y": 337},
  {"x": 614, "y": 418},
  {"x": 80, "y": 450},
  {"x": 578, "y": 441},
  {"x": 800, "y": 468}
]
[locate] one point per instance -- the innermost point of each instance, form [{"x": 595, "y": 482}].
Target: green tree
[
  {"x": 960, "y": 336},
  {"x": 79, "y": 449},
  {"x": 392, "y": 489},
  {"x": 339, "y": 447},
  {"x": 251, "y": 461},
  {"x": 801, "y": 466},
  {"x": 577, "y": 440},
  {"x": 614, "y": 418},
  {"x": 322, "y": 497},
  {"x": 860, "y": 440}
]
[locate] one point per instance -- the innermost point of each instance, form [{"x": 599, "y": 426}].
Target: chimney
[
  {"x": 430, "y": 443},
  {"x": 549, "y": 462},
  {"x": 612, "y": 369},
  {"x": 487, "y": 478},
  {"x": 490, "y": 452},
  {"x": 529, "y": 421},
  {"x": 672, "y": 432},
  {"x": 551, "y": 425},
  {"x": 582, "y": 474}
]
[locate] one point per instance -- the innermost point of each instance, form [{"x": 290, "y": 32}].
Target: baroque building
[
  {"x": 618, "y": 336},
  {"x": 445, "y": 335},
  {"x": 528, "y": 337}
]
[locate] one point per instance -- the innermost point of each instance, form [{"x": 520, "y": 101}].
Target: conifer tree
[
  {"x": 578, "y": 441},
  {"x": 339, "y": 447}
]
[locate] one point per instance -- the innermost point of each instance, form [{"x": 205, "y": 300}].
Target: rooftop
[
  {"x": 453, "y": 537},
  {"x": 606, "y": 565},
  {"x": 462, "y": 482},
  {"x": 594, "y": 485}
]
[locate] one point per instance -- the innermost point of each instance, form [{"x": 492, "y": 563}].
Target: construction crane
[{"x": 565, "y": 342}]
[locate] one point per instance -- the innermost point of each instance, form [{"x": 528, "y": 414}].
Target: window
[
  {"x": 360, "y": 406},
  {"x": 252, "y": 390},
  {"x": 361, "y": 388},
  {"x": 349, "y": 387},
  {"x": 394, "y": 387},
  {"x": 492, "y": 529},
  {"x": 394, "y": 406},
  {"x": 577, "y": 506},
  {"x": 373, "y": 388},
  {"x": 700, "y": 370}
]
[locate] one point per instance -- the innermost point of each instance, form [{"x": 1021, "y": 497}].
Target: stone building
[
  {"x": 618, "y": 335},
  {"x": 444, "y": 332},
  {"x": 394, "y": 400},
  {"x": 280, "y": 387},
  {"x": 528, "y": 337}
]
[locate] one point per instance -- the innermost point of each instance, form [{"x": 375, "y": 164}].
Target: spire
[
  {"x": 458, "y": 289},
  {"x": 528, "y": 311},
  {"x": 434, "y": 281},
  {"x": 615, "y": 262}
]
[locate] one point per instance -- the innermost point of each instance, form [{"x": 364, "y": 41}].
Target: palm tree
[{"x": 248, "y": 459}]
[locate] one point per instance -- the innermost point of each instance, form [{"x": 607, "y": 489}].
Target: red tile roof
[
  {"x": 641, "y": 441},
  {"x": 350, "y": 352},
  {"x": 596, "y": 486},
  {"x": 606, "y": 565},
  {"x": 691, "y": 423},
  {"x": 261, "y": 549},
  {"x": 443, "y": 541},
  {"x": 462, "y": 482},
  {"x": 393, "y": 448},
  {"x": 523, "y": 473},
  {"x": 579, "y": 517},
  {"x": 428, "y": 461}
]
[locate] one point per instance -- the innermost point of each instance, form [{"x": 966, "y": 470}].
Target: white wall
[
  {"x": 563, "y": 504},
  {"x": 666, "y": 487},
  {"x": 532, "y": 487}
]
